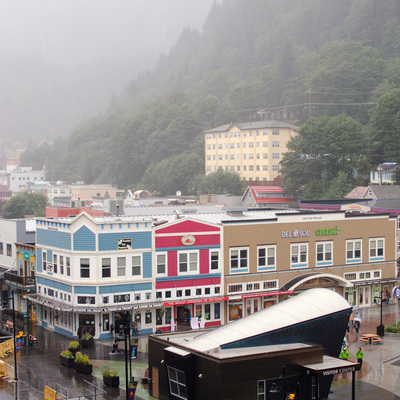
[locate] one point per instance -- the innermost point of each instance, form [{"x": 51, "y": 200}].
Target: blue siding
[
  {"x": 39, "y": 260},
  {"x": 60, "y": 240},
  {"x": 133, "y": 287},
  {"x": 50, "y": 256},
  {"x": 85, "y": 289},
  {"x": 146, "y": 265},
  {"x": 109, "y": 241},
  {"x": 54, "y": 284},
  {"x": 84, "y": 240}
]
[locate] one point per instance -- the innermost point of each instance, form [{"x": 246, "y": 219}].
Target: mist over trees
[{"x": 333, "y": 60}]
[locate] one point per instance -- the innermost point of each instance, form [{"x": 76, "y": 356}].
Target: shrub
[
  {"x": 73, "y": 344},
  {"x": 393, "y": 328},
  {"x": 111, "y": 372},
  {"x": 66, "y": 354},
  {"x": 82, "y": 358}
]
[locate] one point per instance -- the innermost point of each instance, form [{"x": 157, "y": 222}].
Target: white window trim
[
  {"x": 177, "y": 383},
  {"x": 266, "y": 267},
  {"x": 166, "y": 263},
  {"x": 219, "y": 259},
  {"x": 354, "y": 260},
  {"x": 239, "y": 269},
  {"x": 188, "y": 253},
  {"x": 140, "y": 255},
  {"x": 324, "y": 262},
  {"x": 376, "y": 257},
  {"x": 299, "y": 264}
]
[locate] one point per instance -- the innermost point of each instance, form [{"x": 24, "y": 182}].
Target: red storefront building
[{"x": 188, "y": 270}]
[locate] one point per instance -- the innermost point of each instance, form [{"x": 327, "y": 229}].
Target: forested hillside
[{"x": 322, "y": 58}]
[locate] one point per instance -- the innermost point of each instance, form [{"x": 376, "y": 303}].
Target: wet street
[{"x": 39, "y": 366}]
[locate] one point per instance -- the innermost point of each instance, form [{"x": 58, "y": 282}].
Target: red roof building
[{"x": 266, "y": 197}]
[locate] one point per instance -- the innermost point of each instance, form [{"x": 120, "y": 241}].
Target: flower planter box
[
  {"x": 74, "y": 350},
  {"x": 83, "y": 368},
  {"x": 112, "y": 381},
  {"x": 67, "y": 362},
  {"x": 87, "y": 343}
]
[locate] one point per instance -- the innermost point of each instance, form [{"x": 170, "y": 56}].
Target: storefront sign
[
  {"x": 329, "y": 231},
  {"x": 195, "y": 301},
  {"x": 335, "y": 371},
  {"x": 124, "y": 244},
  {"x": 396, "y": 292},
  {"x": 188, "y": 240},
  {"x": 266, "y": 294},
  {"x": 295, "y": 233},
  {"x": 26, "y": 256}
]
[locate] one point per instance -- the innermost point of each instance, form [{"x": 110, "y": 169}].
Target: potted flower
[
  {"x": 110, "y": 377},
  {"x": 87, "y": 340},
  {"x": 67, "y": 358},
  {"x": 73, "y": 346},
  {"x": 82, "y": 364}
]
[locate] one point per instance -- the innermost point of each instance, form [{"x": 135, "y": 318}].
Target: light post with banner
[{"x": 396, "y": 295}]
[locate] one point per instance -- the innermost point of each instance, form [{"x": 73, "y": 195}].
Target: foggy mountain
[{"x": 63, "y": 61}]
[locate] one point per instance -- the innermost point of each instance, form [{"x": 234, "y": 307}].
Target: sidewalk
[
  {"x": 380, "y": 374},
  {"x": 39, "y": 365}
]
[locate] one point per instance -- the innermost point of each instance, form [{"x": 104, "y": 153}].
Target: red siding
[
  {"x": 188, "y": 283},
  {"x": 188, "y": 227},
  {"x": 175, "y": 241},
  {"x": 204, "y": 261},
  {"x": 172, "y": 263}
]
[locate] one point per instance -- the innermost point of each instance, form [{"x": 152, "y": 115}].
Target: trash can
[{"x": 380, "y": 330}]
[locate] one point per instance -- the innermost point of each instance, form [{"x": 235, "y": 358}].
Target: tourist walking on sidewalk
[{"x": 360, "y": 355}]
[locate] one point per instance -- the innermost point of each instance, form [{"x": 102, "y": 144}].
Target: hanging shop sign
[{"x": 396, "y": 292}]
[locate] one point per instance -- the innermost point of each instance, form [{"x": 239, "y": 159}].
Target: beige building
[
  {"x": 253, "y": 149},
  {"x": 267, "y": 260}
]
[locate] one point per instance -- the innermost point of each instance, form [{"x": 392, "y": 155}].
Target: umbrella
[{"x": 355, "y": 308}]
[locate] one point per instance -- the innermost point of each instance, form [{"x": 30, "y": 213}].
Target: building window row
[
  {"x": 299, "y": 255},
  {"x": 187, "y": 293}
]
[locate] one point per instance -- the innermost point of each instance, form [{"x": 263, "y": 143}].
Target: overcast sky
[
  {"x": 70, "y": 32},
  {"x": 61, "y": 61}
]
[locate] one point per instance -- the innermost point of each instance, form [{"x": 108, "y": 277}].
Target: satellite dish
[{"x": 178, "y": 193}]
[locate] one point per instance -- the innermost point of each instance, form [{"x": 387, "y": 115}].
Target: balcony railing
[{"x": 23, "y": 282}]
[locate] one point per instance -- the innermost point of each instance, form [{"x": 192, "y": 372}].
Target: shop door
[
  {"x": 154, "y": 382},
  {"x": 86, "y": 324},
  {"x": 183, "y": 317},
  {"x": 364, "y": 296},
  {"x": 252, "y": 306}
]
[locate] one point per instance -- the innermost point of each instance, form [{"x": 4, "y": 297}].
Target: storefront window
[
  {"x": 217, "y": 310},
  {"x": 235, "y": 309},
  {"x": 148, "y": 317},
  {"x": 198, "y": 310},
  {"x": 106, "y": 322},
  {"x": 207, "y": 314}
]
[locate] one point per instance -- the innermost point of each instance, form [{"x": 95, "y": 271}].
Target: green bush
[{"x": 393, "y": 328}]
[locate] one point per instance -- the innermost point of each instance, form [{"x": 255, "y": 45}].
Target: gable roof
[
  {"x": 383, "y": 192},
  {"x": 257, "y": 190},
  {"x": 357, "y": 193}
]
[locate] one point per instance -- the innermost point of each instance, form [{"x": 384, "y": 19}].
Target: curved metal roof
[{"x": 309, "y": 305}]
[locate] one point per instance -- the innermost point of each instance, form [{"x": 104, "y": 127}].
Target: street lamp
[
  {"x": 380, "y": 330},
  {"x": 125, "y": 336}
]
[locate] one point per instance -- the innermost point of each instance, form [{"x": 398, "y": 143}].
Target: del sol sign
[{"x": 295, "y": 233}]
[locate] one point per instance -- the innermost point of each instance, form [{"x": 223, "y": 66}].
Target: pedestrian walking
[
  {"x": 360, "y": 356},
  {"x": 344, "y": 354}
]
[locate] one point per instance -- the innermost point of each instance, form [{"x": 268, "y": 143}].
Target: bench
[
  {"x": 364, "y": 340},
  {"x": 376, "y": 340},
  {"x": 145, "y": 375}
]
